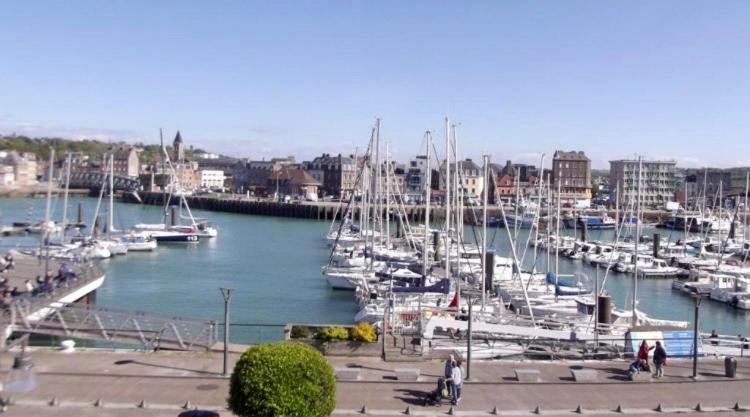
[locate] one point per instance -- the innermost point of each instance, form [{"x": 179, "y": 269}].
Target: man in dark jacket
[{"x": 660, "y": 359}]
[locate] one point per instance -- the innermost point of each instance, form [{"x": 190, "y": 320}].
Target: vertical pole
[
  {"x": 596, "y": 310},
  {"x": 486, "y": 181},
  {"x": 468, "y": 341},
  {"x": 695, "y": 337},
  {"x": 227, "y": 294}
]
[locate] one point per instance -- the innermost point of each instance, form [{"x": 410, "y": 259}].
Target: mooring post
[{"x": 227, "y": 294}]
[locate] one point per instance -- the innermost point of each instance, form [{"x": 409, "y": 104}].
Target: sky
[{"x": 662, "y": 79}]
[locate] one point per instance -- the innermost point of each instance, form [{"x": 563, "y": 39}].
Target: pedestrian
[
  {"x": 457, "y": 382},
  {"x": 448, "y": 372},
  {"x": 643, "y": 352},
  {"x": 660, "y": 359}
]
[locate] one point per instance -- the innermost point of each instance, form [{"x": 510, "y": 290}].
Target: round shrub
[
  {"x": 363, "y": 332},
  {"x": 282, "y": 379},
  {"x": 332, "y": 334},
  {"x": 300, "y": 332}
]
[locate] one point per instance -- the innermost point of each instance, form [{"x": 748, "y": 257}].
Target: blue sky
[{"x": 258, "y": 79}]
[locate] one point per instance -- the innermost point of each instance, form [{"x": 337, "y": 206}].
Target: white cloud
[{"x": 69, "y": 132}]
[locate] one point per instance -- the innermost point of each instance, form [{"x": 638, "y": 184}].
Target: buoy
[
  {"x": 659, "y": 408},
  {"x": 494, "y": 411},
  {"x": 538, "y": 410},
  {"x": 187, "y": 405},
  {"x": 698, "y": 407},
  {"x": 737, "y": 407},
  {"x": 450, "y": 411},
  {"x": 98, "y": 403},
  {"x": 54, "y": 402},
  {"x": 619, "y": 409},
  {"x": 408, "y": 410},
  {"x": 143, "y": 404},
  {"x": 579, "y": 410},
  {"x": 364, "y": 409}
]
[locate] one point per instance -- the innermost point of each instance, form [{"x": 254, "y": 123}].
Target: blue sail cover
[
  {"x": 560, "y": 281},
  {"x": 443, "y": 286}
]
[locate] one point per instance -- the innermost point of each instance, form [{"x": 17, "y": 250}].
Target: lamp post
[
  {"x": 470, "y": 295},
  {"x": 227, "y": 294},
  {"x": 695, "y": 335}
]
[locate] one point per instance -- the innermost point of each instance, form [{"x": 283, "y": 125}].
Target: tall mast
[
  {"x": 428, "y": 180},
  {"x": 447, "y": 198},
  {"x": 378, "y": 185},
  {"x": 387, "y": 196},
  {"x": 110, "y": 214},
  {"x": 486, "y": 181},
  {"x": 637, "y": 239},
  {"x": 46, "y": 229},
  {"x": 557, "y": 232},
  {"x": 65, "y": 198}
]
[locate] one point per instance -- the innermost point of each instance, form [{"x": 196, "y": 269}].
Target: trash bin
[{"x": 730, "y": 367}]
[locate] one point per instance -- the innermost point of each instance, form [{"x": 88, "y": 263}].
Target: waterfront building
[
  {"x": 657, "y": 181},
  {"x": 414, "y": 178},
  {"x": 211, "y": 178},
  {"x": 23, "y": 166},
  {"x": 511, "y": 179},
  {"x": 248, "y": 175},
  {"x": 571, "y": 173},
  {"x": 7, "y": 178},
  {"x": 294, "y": 182},
  {"x": 337, "y": 174},
  {"x": 470, "y": 178},
  {"x": 126, "y": 162}
]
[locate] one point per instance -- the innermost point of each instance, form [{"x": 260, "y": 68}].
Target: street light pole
[
  {"x": 468, "y": 341},
  {"x": 227, "y": 294},
  {"x": 695, "y": 336}
]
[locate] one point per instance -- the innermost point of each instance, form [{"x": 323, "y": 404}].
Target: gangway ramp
[{"x": 112, "y": 325}]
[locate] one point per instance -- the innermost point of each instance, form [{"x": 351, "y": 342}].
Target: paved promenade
[{"x": 164, "y": 382}]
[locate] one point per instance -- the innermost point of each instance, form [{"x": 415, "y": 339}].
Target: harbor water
[{"x": 273, "y": 266}]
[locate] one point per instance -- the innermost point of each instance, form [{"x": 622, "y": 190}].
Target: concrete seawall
[{"x": 321, "y": 210}]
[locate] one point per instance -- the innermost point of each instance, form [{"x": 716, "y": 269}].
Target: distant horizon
[{"x": 667, "y": 80}]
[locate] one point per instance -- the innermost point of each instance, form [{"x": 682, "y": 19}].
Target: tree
[{"x": 282, "y": 379}]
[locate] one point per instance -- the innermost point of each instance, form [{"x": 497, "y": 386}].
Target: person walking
[
  {"x": 660, "y": 359},
  {"x": 457, "y": 381}
]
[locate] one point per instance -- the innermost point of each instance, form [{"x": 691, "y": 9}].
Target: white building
[
  {"x": 7, "y": 177},
  {"x": 656, "y": 178},
  {"x": 211, "y": 178}
]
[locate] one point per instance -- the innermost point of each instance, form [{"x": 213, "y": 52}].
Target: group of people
[
  {"x": 7, "y": 263},
  {"x": 454, "y": 378},
  {"x": 641, "y": 361},
  {"x": 42, "y": 286}
]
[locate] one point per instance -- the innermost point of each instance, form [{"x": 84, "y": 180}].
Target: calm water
[{"x": 273, "y": 265}]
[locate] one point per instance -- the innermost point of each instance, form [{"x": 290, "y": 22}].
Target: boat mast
[
  {"x": 448, "y": 200},
  {"x": 428, "y": 185},
  {"x": 387, "y": 197},
  {"x": 486, "y": 181},
  {"x": 378, "y": 186},
  {"x": 110, "y": 214},
  {"x": 637, "y": 239},
  {"x": 744, "y": 217},
  {"x": 65, "y": 198},
  {"x": 557, "y": 232},
  {"x": 46, "y": 229}
]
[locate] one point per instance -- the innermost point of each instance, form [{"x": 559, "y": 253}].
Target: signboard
[{"x": 677, "y": 343}]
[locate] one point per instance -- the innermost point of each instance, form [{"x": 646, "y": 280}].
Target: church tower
[{"x": 179, "y": 148}]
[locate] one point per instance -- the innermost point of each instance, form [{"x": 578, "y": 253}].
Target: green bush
[
  {"x": 282, "y": 379},
  {"x": 332, "y": 334},
  {"x": 363, "y": 332},
  {"x": 300, "y": 332}
]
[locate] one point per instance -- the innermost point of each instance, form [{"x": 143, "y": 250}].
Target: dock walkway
[{"x": 165, "y": 381}]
